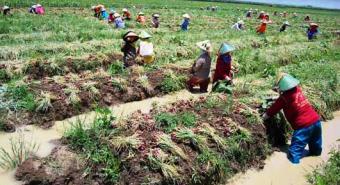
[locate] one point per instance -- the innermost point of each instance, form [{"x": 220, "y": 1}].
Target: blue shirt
[
  {"x": 185, "y": 25},
  {"x": 119, "y": 23}
]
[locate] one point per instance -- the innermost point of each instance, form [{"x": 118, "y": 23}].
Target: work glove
[{"x": 265, "y": 116}]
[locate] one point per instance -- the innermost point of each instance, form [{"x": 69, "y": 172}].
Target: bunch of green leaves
[
  {"x": 22, "y": 97},
  {"x": 116, "y": 68},
  {"x": 169, "y": 121},
  {"x": 87, "y": 141},
  {"x": 172, "y": 82},
  {"x": 19, "y": 151},
  {"x": 328, "y": 173}
]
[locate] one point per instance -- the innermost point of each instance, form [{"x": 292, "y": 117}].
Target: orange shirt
[
  {"x": 262, "y": 28},
  {"x": 141, "y": 19}
]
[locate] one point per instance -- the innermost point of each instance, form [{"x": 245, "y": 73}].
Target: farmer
[
  {"x": 262, "y": 28},
  {"x": 249, "y": 14},
  {"x": 111, "y": 18},
  {"x": 262, "y": 14},
  {"x": 275, "y": 13},
  {"x": 104, "y": 14},
  {"x": 295, "y": 14},
  {"x": 145, "y": 49},
  {"x": 186, "y": 22},
  {"x": 300, "y": 114},
  {"x": 284, "y": 26},
  {"x": 119, "y": 23},
  {"x": 307, "y": 18},
  {"x": 141, "y": 18},
  {"x": 129, "y": 48},
  {"x": 37, "y": 9},
  {"x": 6, "y": 10},
  {"x": 285, "y": 14},
  {"x": 223, "y": 69},
  {"x": 239, "y": 26},
  {"x": 126, "y": 14},
  {"x": 97, "y": 10},
  {"x": 155, "y": 20},
  {"x": 312, "y": 31},
  {"x": 201, "y": 68}
]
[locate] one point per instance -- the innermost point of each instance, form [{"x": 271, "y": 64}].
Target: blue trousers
[{"x": 312, "y": 136}]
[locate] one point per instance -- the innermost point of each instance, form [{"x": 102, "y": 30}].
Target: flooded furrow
[
  {"x": 279, "y": 171},
  {"x": 45, "y": 137}
]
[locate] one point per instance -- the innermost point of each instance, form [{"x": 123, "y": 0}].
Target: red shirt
[
  {"x": 298, "y": 111},
  {"x": 223, "y": 69}
]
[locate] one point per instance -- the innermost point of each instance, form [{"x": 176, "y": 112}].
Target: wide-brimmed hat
[
  {"x": 140, "y": 13},
  {"x": 93, "y": 7},
  {"x": 39, "y": 5},
  {"x": 155, "y": 15},
  {"x": 124, "y": 10},
  {"x": 5, "y": 7},
  {"x": 262, "y": 12},
  {"x": 186, "y": 16},
  {"x": 112, "y": 12},
  {"x": 286, "y": 23},
  {"x": 286, "y": 82},
  {"x": 240, "y": 22},
  {"x": 144, "y": 35},
  {"x": 225, "y": 48},
  {"x": 116, "y": 15},
  {"x": 205, "y": 45},
  {"x": 130, "y": 34}
]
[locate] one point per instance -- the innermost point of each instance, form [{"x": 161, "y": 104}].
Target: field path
[{"x": 279, "y": 171}]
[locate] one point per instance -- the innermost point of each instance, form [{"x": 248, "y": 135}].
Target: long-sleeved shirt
[
  {"x": 237, "y": 26},
  {"x": 223, "y": 68},
  {"x": 119, "y": 23},
  {"x": 262, "y": 28},
  {"x": 185, "y": 24},
  {"x": 130, "y": 54},
  {"x": 201, "y": 67},
  {"x": 155, "y": 22},
  {"x": 298, "y": 111}
]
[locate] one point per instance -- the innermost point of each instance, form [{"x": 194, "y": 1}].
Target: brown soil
[
  {"x": 109, "y": 95},
  {"x": 61, "y": 167},
  {"x": 135, "y": 163}
]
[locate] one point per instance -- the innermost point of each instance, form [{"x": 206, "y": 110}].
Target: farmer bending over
[
  {"x": 284, "y": 26},
  {"x": 111, "y": 18},
  {"x": 239, "y": 26},
  {"x": 119, "y": 23},
  {"x": 37, "y": 9},
  {"x": 201, "y": 68},
  {"x": 98, "y": 10},
  {"x": 129, "y": 48},
  {"x": 186, "y": 22},
  {"x": 126, "y": 14},
  {"x": 312, "y": 31},
  {"x": 146, "y": 48},
  {"x": 141, "y": 18},
  {"x": 155, "y": 20},
  {"x": 301, "y": 115},
  {"x": 6, "y": 10},
  {"x": 223, "y": 69}
]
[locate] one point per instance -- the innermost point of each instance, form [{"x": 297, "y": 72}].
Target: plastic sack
[{"x": 146, "y": 49}]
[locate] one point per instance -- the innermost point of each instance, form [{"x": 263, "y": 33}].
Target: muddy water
[
  {"x": 279, "y": 171},
  {"x": 44, "y": 138}
]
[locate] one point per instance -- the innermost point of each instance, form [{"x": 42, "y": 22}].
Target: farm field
[{"x": 68, "y": 63}]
